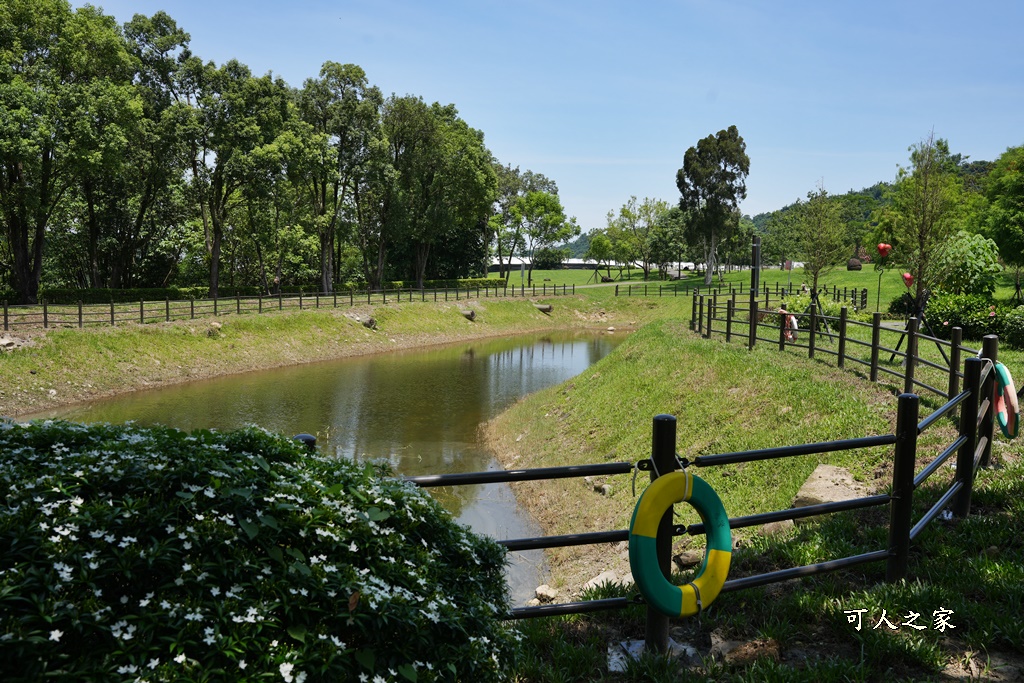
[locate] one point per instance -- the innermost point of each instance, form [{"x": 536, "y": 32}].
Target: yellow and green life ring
[
  {"x": 660, "y": 593},
  {"x": 1007, "y": 408}
]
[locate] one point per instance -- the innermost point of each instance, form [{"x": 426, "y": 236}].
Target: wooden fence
[
  {"x": 47, "y": 315},
  {"x": 758, "y": 319},
  {"x": 857, "y": 298}
]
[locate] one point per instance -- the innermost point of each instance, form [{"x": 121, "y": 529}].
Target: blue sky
[{"x": 605, "y": 97}]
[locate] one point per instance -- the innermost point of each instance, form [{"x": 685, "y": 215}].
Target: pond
[{"x": 419, "y": 410}]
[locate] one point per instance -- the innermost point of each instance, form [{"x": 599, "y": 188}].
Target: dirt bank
[{"x": 51, "y": 368}]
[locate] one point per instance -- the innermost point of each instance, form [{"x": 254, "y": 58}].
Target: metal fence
[{"x": 972, "y": 449}]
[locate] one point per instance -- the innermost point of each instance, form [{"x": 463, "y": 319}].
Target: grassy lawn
[{"x": 727, "y": 398}]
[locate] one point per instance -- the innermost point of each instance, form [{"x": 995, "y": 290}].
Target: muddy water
[{"x": 419, "y": 410}]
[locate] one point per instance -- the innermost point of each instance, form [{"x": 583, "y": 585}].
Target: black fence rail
[
  {"x": 759, "y": 319},
  {"x": 857, "y": 298},
  {"x": 972, "y": 449},
  {"x": 47, "y": 315}
]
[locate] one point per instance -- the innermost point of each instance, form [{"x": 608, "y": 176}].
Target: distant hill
[{"x": 578, "y": 247}]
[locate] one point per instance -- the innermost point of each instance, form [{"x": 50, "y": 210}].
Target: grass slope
[{"x": 727, "y": 398}]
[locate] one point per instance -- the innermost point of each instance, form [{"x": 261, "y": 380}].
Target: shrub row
[{"x": 163, "y": 555}]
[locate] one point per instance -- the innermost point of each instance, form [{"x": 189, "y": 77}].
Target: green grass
[{"x": 727, "y": 398}]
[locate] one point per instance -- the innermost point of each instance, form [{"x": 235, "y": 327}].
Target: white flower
[
  {"x": 242, "y": 664},
  {"x": 56, "y": 634},
  {"x": 154, "y": 663},
  {"x": 286, "y": 671},
  {"x": 180, "y": 659}
]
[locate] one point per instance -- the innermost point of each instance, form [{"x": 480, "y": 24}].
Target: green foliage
[
  {"x": 711, "y": 184},
  {"x": 549, "y": 258},
  {"x": 637, "y": 229},
  {"x": 1013, "y": 328},
  {"x": 234, "y": 556},
  {"x": 926, "y": 202},
  {"x": 822, "y": 234},
  {"x": 969, "y": 264},
  {"x": 973, "y": 313},
  {"x": 902, "y": 305},
  {"x": 1006, "y": 205}
]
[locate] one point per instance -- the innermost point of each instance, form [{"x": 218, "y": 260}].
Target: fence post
[
  {"x": 812, "y": 333},
  {"x": 782, "y": 331},
  {"x": 908, "y": 375},
  {"x": 990, "y": 351},
  {"x": 79, "y": 313},
  {"x": 215, "y": 306},
  {"x": 142, "y": 315},
  {"x": 259, "y": 298},
  {"x": 192, "y": 309},
  {"x": 663, "y": 457},
  {"x": 700, "y": 318},
  {"x": 693, "y": 313},
  {"x": 956, "y": 337},
  {"x": 111, "y": 312},
  {"x": 46, "y": 316},
  {"x": 5, "y": 316},
  {"x": 752, "y": 327},
  {"x": 728, "y": 320},
  {"x": 902, "y": 497},
  {"x": 711, "y": 312},
  {"x": 876, "y": 333},
  {"x": 300, "y": 299},
  {"x": 167, "y": 309},
  {"x": 969, "y": 428},
  {"x": 841, "y": 358},
  {"x": 238, "y": 304},
  {"x": 616, "y": 290}
]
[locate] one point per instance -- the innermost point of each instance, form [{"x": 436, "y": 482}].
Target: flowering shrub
[
  {"x": 976, "y": 314},
  {"x": 1013, "y": 328},
  {"x": 156, "y": 555}
]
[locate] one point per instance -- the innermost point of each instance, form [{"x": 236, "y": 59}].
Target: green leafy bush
[
  {"x": 975, "y": 314},
  {"x": 902, "y": 306},
  {"x": 969, "y": 264},
  {"x": 153, "y": 554},
  {"x": 1013, "y": 328}
]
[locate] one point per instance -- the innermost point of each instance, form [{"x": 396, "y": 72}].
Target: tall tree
[
  {"x": 130, "y": 157},
  {"x": 543, "y": 223},
  {"x": 822, "y": 234},
  {"x": 1005, "y": 191},
  {"x": 600, "y": 251},
  {"x": 922, "y": 217},
  {"x": 636, "y": 225},
  {"x": 343, "y": 111},
  {"x": 711, "y": 183},
  {"x": 53, "y": 64},
  {"x": 506, "y": 230},
  {"x": 237, "y": 113}
]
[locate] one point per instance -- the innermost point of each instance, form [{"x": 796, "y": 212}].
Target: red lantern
[
  {"x": 884, "y": 249},
  {"x": 908, "y": 280}
]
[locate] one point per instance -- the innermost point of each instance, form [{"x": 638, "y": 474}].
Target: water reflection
[{"x": 419, "y": 410}]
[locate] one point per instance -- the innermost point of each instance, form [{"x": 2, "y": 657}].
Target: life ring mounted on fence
[
  {"x": 660, "y": 593},
  {"x": 1007, "y": 408}
]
